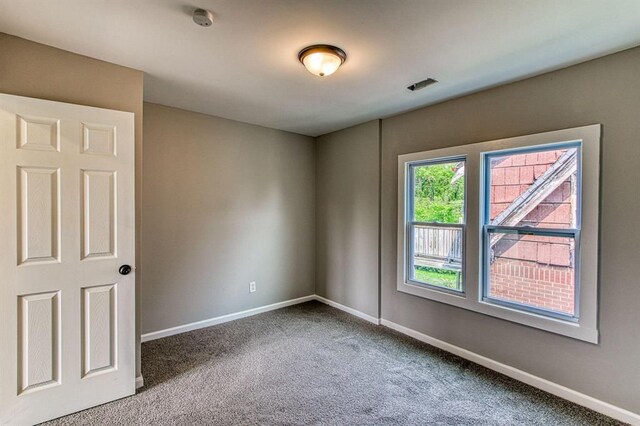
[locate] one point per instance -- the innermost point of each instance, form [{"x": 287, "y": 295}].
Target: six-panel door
[{"x": 67, "y": 222}]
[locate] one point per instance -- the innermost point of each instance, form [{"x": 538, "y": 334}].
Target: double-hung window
[
  {"x": 436, "y": 224},
  {"x": 531, "y": 229},
  {"x": 507, "y": 228}
]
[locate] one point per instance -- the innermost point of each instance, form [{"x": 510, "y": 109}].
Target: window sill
[{"x": 530, "y": 319}]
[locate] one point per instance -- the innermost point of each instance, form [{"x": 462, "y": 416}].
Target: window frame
[
  {"x": 411, "y": 223},
  {"x": 585, "y": 326},
  {"x": 522, "y": 230}
]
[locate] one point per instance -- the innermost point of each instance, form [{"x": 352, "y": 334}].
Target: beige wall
[
  {"x": 39, "y": 71},
  {"x": 225, "y": 203},
  {"x": 347, "y": 217},
  {"x": 603, "y": 91}
]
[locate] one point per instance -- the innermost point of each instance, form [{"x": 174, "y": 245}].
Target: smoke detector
[{"x": 202, "y": 17}]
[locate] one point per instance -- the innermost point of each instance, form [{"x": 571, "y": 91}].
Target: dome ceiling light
[{"x": 322, "y": 59}]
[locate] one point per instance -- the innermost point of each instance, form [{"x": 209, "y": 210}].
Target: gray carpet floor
[{"x": 311, "y": 364}]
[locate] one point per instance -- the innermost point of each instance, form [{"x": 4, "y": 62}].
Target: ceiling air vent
[{"x": 421, "y": 84}]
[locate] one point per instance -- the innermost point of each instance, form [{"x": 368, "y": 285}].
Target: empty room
[{"x": 319, "y": 212}]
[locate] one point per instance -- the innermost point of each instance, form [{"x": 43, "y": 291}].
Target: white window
[
  {"x": 531, "y": 227},
  {"x": 508, "y": 228},
  {"x": 436, "y": 224}
]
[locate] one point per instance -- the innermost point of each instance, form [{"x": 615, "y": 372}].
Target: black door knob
[{"x": 124, "y": 270}]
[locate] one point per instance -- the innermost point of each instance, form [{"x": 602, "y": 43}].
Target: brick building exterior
[{"x": 533, "y": 270}]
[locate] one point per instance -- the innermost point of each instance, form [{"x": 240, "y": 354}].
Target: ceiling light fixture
[{"x": 322, "y": 59}]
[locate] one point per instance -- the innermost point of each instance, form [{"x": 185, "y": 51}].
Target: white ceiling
[{"x": 245, "y": 66}]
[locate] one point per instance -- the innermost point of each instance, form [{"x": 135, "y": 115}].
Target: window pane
[
  {"x": 438, "y": 192},
  {"x": 535, "y": 189},
  {"x": 437, "y": 256},
  {"x": 533, "y": 270}
]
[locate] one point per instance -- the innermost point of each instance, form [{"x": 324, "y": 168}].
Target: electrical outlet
[{"x": 252, "y": 286}]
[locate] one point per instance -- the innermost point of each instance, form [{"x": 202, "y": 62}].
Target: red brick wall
[
  {"x": 533, "y": 270},
  {"x": 550, "y": 287}
]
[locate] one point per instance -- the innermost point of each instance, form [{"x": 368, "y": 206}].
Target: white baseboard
[
  {"x": 222, "y": 319},
  {"x": 537, "y": 382},
  {"x": 347, "y": 309}
]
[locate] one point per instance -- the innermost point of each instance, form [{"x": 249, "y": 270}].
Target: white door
[{"x": 67, "y": 337}]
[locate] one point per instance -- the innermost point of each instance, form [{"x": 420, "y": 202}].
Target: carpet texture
[{"x": 311, "y": 364}]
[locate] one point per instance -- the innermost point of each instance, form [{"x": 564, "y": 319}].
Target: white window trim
[{"x": 586, "y": 326}]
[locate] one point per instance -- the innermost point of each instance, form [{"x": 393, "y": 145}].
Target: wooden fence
[{"x": 438, "y": 247}]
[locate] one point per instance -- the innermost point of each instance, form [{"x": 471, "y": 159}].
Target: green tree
[{"x": 436, "y": 197}]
